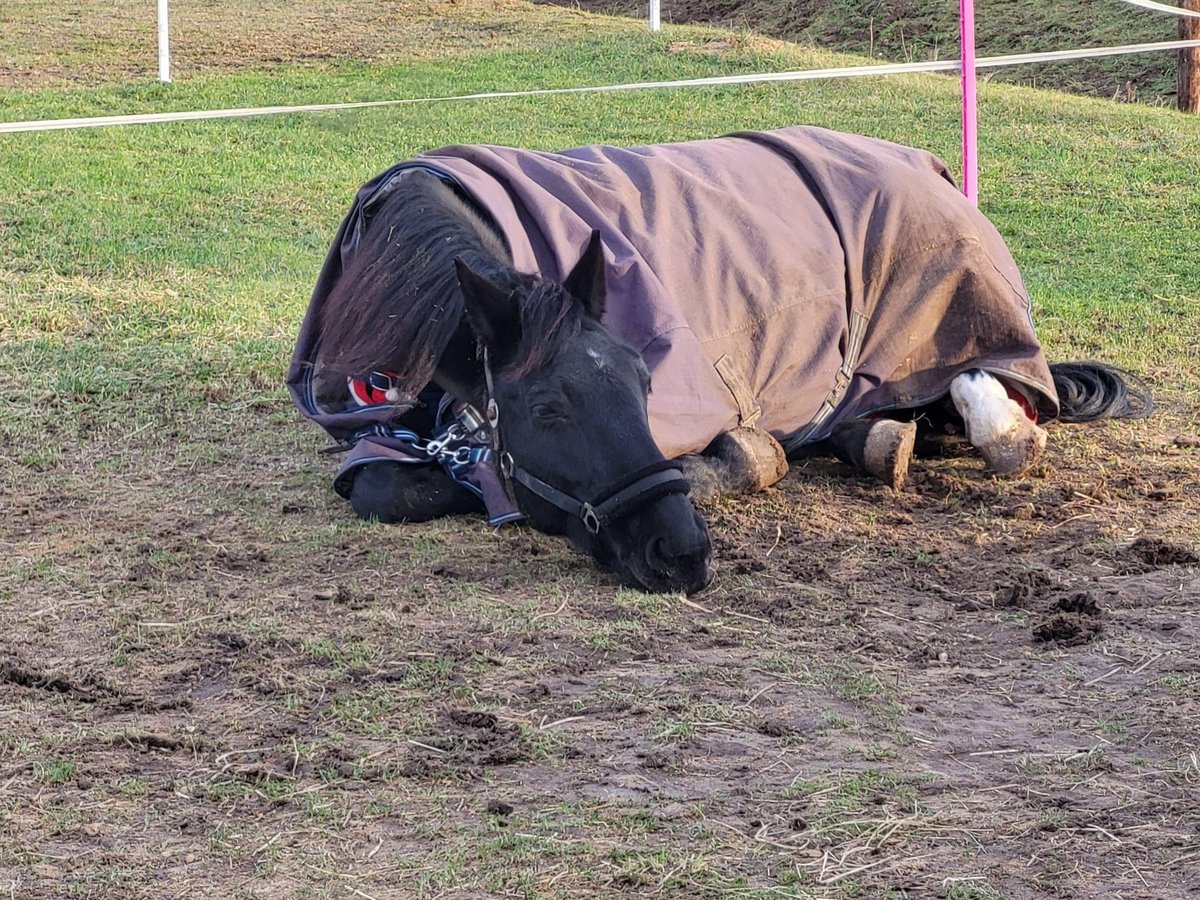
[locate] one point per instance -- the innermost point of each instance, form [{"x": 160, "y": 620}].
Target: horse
[{"x": 597, "y": 339}]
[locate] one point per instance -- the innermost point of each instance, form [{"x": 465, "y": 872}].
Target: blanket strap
[
  {"x": 749, "y": 410},
  {"x": 841, "y": 383}
]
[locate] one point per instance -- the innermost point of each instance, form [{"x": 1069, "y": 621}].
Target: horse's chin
[
  {"x": 652, "y": 581},
  {"x": 665, "y": 548}
]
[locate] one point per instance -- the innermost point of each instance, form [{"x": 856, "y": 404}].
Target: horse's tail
[{"x": 1088, "y": 391}]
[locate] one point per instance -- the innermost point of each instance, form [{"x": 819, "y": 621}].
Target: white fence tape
[
  {"x": 1162, "y": 7},
  {"x": 987, "y": 62}
]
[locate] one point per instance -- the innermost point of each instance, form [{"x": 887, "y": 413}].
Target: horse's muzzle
[{"x": 662, "y": 548}]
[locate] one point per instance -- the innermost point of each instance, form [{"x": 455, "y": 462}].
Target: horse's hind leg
[
  {"x": 400, "y": 492},
  {"x": 879, "y": 447},
  {"x": 740, "y": 461},
  {"x": 997, "y": 425}
]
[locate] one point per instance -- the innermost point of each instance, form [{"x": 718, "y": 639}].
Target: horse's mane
[
  {"x": 397, "y": 304},
  {"x": 549, "y": 318}
]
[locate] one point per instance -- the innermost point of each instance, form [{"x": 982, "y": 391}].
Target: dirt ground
[{"x": 216, "y": 683}]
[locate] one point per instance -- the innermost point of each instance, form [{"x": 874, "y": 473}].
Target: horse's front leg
[
  {"x": 402, "y": 492},
  {"x": 997, "y": 425},
  {"x": 740, "y": 461}
]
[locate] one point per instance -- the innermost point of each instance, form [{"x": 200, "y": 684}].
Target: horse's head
[{"x": 570, "y": 403}]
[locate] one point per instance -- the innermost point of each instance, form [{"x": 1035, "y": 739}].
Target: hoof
[
  {"x": 1016, "y": 450},
  {"x": 998, "y": 427},
  {"x": 757, "y": 458},
  {"x": 888, "y": 451},
  {"x": 740, "y": 461}
]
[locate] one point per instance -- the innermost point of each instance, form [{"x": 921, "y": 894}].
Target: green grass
[
  {"x": 205, "y": 236},
  {"x": 916, "y": 30},
  {"x": 141, "y": 257},
  {"x": 56, "y": 771}
]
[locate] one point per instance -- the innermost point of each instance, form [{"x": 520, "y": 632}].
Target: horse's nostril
[
  {"x": 657, "y": 555},
  {"x": 667, "y": 556},
  {"x": 673, "y": 551}
]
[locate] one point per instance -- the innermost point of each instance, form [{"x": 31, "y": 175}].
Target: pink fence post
[{"x": 970, "y": 120}]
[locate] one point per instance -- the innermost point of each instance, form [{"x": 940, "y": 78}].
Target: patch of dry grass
[{"x": 44, "y": 43}]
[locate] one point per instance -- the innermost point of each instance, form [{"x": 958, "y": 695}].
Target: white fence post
[
  {"x": 164, "y": 44},
  {"x": 655, "y": 15}
]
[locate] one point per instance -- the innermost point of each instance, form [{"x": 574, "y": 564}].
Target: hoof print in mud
[
  {"x": 1024, "y": 591},
  {"x": 1073, "y": 620},
  {"x": 1156, "y": 553},
  {"x": 471, "y": 739}
]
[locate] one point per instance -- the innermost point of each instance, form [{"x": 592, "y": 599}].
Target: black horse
[
  {"x": 422, "y": 318},
  {"x": 431, "y": 266}
]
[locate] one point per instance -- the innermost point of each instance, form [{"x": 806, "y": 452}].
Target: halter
[{"x": 647, "y": 484}]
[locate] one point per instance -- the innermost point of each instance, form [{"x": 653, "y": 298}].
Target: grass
[
  {"x": 56, "y": 771},
  {"x": 101, "y": 41},
  {"x": 179, "y": 231},
  {"x": 927, "y": 30}
]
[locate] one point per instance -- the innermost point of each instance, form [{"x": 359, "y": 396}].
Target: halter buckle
[
  {"x": 590, "y": 520},
  {"x": 470, "y": 419}
]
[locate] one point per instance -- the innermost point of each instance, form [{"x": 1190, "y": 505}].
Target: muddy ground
[{"x": 215, "y": 683}]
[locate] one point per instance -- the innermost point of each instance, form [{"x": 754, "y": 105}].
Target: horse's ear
[
  {"x": 491, "y": 310},
  {"x": 586, "y": 281}
]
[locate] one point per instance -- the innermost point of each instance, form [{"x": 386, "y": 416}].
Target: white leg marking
[
  {"x": 985, "y": 406},
  {"x": 996, "y": 424}
]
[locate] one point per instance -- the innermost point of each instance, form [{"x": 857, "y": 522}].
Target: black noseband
[{"x": 647, "y": 484}]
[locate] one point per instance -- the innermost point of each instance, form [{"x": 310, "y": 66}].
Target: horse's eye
[{"x": 547, "y": 412}]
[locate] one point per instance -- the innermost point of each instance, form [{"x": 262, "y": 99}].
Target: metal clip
[
  {"x": 470, "y": 419},
  {"x": 590, "y": 521}
]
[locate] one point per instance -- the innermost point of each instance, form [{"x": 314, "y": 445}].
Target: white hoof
[{"x": 996, "y": 424}]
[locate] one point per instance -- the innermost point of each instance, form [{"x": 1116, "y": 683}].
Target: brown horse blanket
[{"x": 788, "y": 279}]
